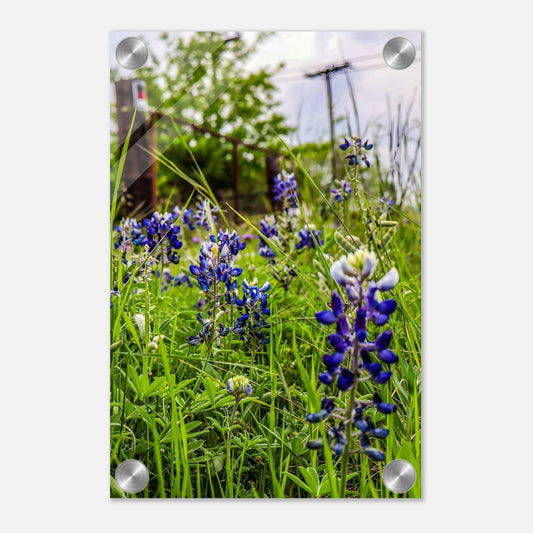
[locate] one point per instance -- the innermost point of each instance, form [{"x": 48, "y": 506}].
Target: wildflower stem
[
  {"x": 348, "y": 416},
  {"x": 253, "y": 350},
  {"x": 215, "y": 306},
  {"x": 362, "y": 206},
  {"x": 355, "y": 452},
  {"x": 351, "y": 403},
  {"x": 146, "y": 314},
  {"x": 345, "y": 200},
  {"x": 160, "y": 284},
  {"x": 229, "y": 470}
]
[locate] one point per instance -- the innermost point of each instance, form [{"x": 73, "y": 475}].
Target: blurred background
[{"x": 226, "y": 104}]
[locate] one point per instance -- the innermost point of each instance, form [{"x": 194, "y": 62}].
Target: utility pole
[{"x": 327, "y": 73}]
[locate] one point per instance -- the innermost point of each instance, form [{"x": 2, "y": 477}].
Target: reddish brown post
[
  {"x": 153, "y": 166},
  {"x": 137, "y": 180}
]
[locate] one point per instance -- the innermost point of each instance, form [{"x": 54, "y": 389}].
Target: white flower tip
[
  {"x": 337, "y": 274},
  {"x": 389, "y": 280},
  {"x": 347, "y": 268},
  {"x": 369, "y": 265}
]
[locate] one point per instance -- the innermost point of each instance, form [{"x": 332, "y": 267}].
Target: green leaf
[
  {"x": 298, "y": 482},
  {"x": 311, "y": 478},
  {"x": 217, "y": 462},
  {"x": 297, "y": 445},
  {"x": 116, "y": 491}
]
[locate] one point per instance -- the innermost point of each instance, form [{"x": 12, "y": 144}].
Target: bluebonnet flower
[
  {"x": 387, "y": 204},
  {"x": 201, "y": 304},
  {"x": 285, "y": 190},
  {"x": 181, "y": 279},
  {"x": 129, "y": 235},
  {"x": 280, "y": 234},
  {"x": 368, "y": 429},
  {"x": 250, "y": 325},
  {"x": 204, "y": 213},
  {"x": 327, "y": 405},
  {"x": 232, "y": 241},
  {"x": 381, "y": 406},
  {"x": 161, "y": 229},
  {"x": 343, "y": 190},
  {"x": 345, "y": 145},
  {"x": 269, "y": 228},
  {"x": 357, "y": 156},
  {"x": 174, "y": 281},
  {"x": 359, "y": 151},
  {"x": 138, "y": 266},
  {"x": 306, "y": 240},
  {"x": 216, "y": 264},
  {"x": 281, "y": 231},
  {"x": 336, "y": 439},
  {"x": 239, "y": 386},
  {"x": 354, "y": 356},
  {"x": 336, "y": 314},
  {"x": 187, "y": 218},
  {"x": 204, "y": 335},
  {"x": 216, "y": 275},
  {"x": 113, "y": 293}
]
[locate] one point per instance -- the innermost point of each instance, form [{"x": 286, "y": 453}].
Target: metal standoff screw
[
  {"x": 399, "y": 476},
  {"x": 399, "y": 53},
  {"x": 131, "y": 53},
  {"x": 132, "y": 476}
]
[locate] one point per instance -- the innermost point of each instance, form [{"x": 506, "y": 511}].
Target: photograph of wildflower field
[{"x": 265, "y": 266}]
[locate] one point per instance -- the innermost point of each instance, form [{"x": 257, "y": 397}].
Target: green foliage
[
  {"x": 170, "y": 409},
  {"x": 204, "y": 81}
]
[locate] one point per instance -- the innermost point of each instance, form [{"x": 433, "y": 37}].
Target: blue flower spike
[
  {"x": 216, "y": 263},
  {"x": 357, "y": 353},
  {"x": 281, "y": 234},
  {"x": 309, "y": 239},
  {"x": 217, "y": 277},
  {"x": 357, "y": 158},
  {"x": 252, "y": 326},
  {"x": 285, "y": 190}
]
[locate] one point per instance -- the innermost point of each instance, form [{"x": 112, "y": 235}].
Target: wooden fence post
[{"x": 138, "y": 175}]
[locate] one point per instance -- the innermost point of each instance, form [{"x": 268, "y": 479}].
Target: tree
[{"x": 204, "y": 80}]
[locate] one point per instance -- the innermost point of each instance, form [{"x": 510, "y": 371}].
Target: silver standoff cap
[
  {"x": 131, "y": 53},
  {"x": 399, "y": 476},
  {"x": 399, "y": 53},
  {"x": 132, "y": 476}
]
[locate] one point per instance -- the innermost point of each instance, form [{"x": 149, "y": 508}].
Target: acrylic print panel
[{"x": 265, "y": 324}]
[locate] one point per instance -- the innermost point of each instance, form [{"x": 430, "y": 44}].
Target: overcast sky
[{"x": 304, "y": 52}]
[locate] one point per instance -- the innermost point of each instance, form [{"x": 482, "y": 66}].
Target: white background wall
[{"x": 477, "y": 270}]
